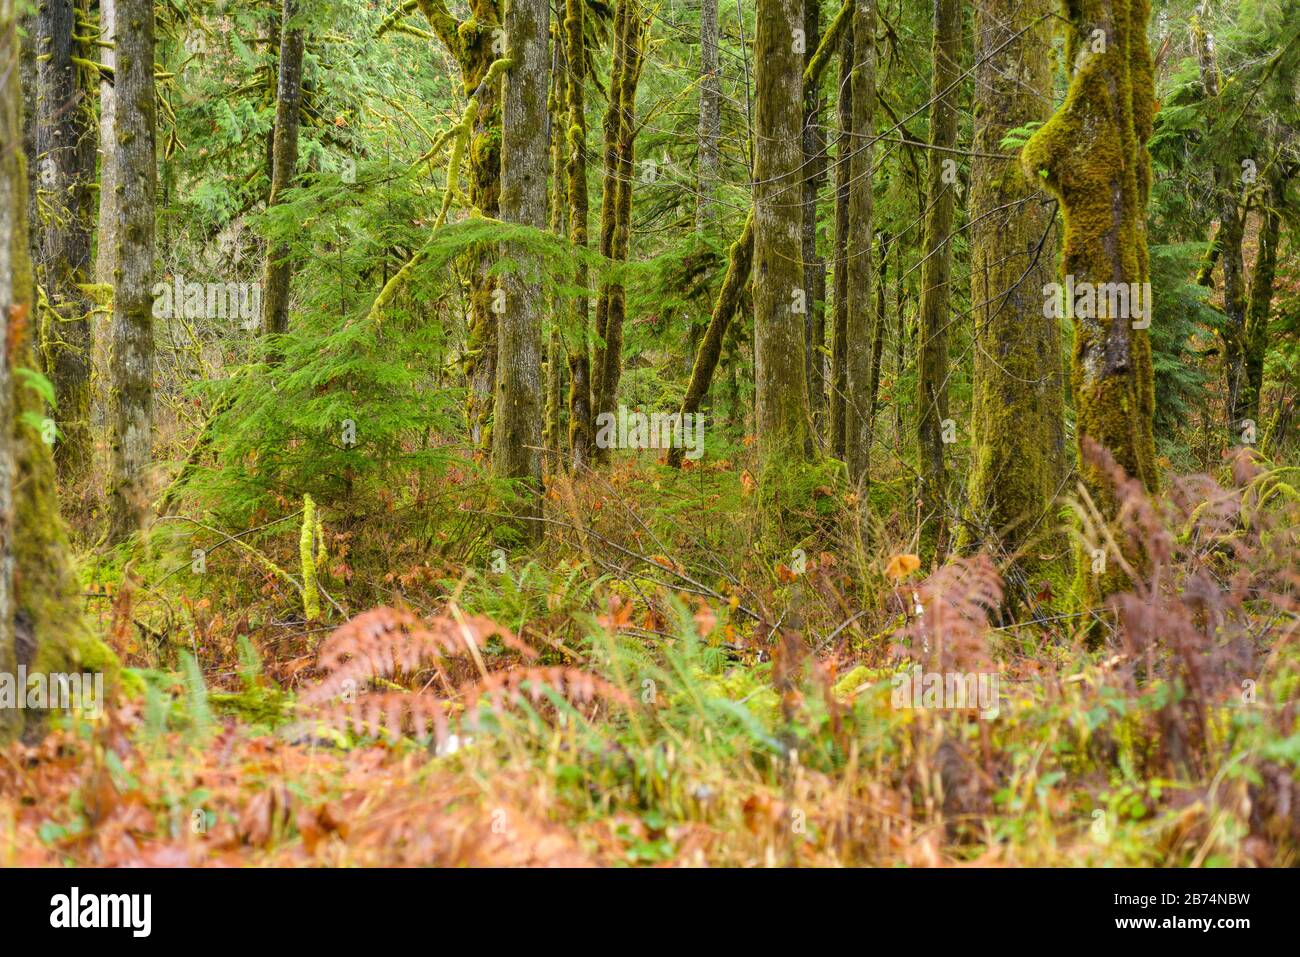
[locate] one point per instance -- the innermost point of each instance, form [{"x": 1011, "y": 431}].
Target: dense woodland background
[{"x": 315, "y": 316}]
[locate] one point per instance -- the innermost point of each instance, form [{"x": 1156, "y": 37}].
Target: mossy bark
[
  {"x": 517, "y": 418},
  {"x": 580, "y": 391},
  {"x": 1227, "y": 250},
  {"x": 860, "y": 329},
  {"x": 1017, "y": 420},
  {"x": 936, "y": 277},
  {"x": 41, "y": 625},
  {"x": 470, "y": 44},
  {"x": 131, "y": 367},
  {"x": 616, "y": 203},
  {"x": 552, "y": 438},
  {"x": 278, "y": 272},
  {"x": 65, "y": 152},
  {"x": 879, "y": 325},
  {"x": 1092, "y": 155},
  {"x": 710, "y": 127},
  {"x": 1261, "y": 296},
  {"x": 781, "y": 392},
  {"x": 840, "y": 271},
  {"x": 739, "y": 265},
  {"x": 814, "y": 154},
  {"x": 105, "y": 241}
]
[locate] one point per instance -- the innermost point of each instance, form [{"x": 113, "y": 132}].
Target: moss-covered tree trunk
[
  {"x": 131, "y": 367},
  {"x": 710, "y": 128},
  {"x": 1017, "y": 422},
  {"x": 616, "y": 205},
  {"x": 781, "y": 393},
  {"x": 65, "y": 150},
  {"x": 814, "y": 153},
  {"x": 470, "y": 43},
  {"x": 517, "y": 418},
  {"x": 1261, "y": 296},
  {"x": 40, "y": 621},
  {"x": 840, "y": 271},
  {"x": 936, "y": 276},
  {"x": 1093, "y": 157},
  {"x": 709, "y": 352},
  {"x": 879, "y": 325},
  {"x": 580, "y": 391},
  {"x": 555, "y": 358},
  {"x": 859, "y": 332},
  {"x": 1227, "y": 246},
  {"x": 105, "y": 241},
  {"x": 11, "y": 296},
  {"x": 278, "y": 271}
]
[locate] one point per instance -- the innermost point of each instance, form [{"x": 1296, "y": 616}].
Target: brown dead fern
[{"x": 387, "y": 643}]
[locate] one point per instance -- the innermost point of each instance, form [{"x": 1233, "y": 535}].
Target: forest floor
[{"x": 658, "y": 683}]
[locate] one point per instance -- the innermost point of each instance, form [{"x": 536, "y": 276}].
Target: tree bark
[
  {"x": 859, "y": 334},
  {"x": 288, "y": 106},
  {"x": 580, "y": 391},
  {"x": 1261, "y": 296},
  {"x": 781, "y": 393},
  {"x": 936, "y": 275},
  {"x": 133, "y": 347},
  {"x": 710, "y": 128},
  {"x": 517, "y": 418},
  {"x": 1093, "y": 155},
  {"x": 840, "y": 272},
  {"x": 710, "y": 349},
  {"x": 65, "y": 148},
  {"x": 105, "y": 241},
  {"x": 1017, "y": 427},
  {"x": 814, "y": 153}
]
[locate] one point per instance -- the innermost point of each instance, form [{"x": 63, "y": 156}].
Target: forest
[{"x": 650, "y": 433}]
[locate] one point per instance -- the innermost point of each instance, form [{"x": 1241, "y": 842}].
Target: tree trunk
[
  {"x": 40, "y": 620},
  {"x": 620, "y": 131},
  {"x": 1227, "y": 249},
  {"x": 1093, "y": 155},
  {"x": 580, "y": 393},
  {"x": 134, "y": 174},
  {"x": 1261, "y": 297},
  {"x": 559, "y": 110},
  {"x": 517, "y": 418},
  {"x": 710, "y": 350},
  {"x": 105, "y": 241},
  {"x": 710, "y": 128},
  {"x": 781, "y": 393},
  {"x": 814, "y": 153},
  {"x": 65, "y": 147},
  {"x": 1017, "y": 425},
  {"x": 840, "y": 272},
  {"x": 288, "y": 106},
  {"x": 936, "y": 274},
  {"x": 859, "y": 331},
  {"x": 878, "y": 329}
]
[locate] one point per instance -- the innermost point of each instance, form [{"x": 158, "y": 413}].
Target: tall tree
[
  {"x": 840, "y": 273},
  {"x": 580, "y": 391},
  {"x": 859, "y": 331},
  {"x": 517, "y": 419},
  {"x": 41, "y": 626},
  {"x": 1017, "y": 425},
  {"x": 105, "y": 242},
  {"x": 781, "y": 393},
  {"x": 284, "y": 158},
  {"x": 135, "y": 178},
  {"x": 1092, "y": 155},
  {"x": 710, "y": 128},
  {"x": 1261, "y": 291},
  {"x": 814, "y": 157},
  {"x": 936, "y": 274},
  {"x": 616, "y": 203},
  {"x": 65, "y": 150}
]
